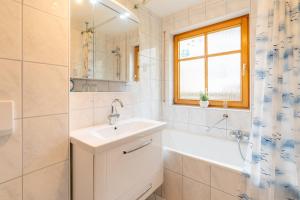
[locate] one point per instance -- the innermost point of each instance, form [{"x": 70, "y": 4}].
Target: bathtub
[
  {"x": 216, "y": 150},
  {"x": 199, "y": 166}
]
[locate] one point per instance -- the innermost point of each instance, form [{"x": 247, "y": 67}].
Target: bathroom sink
[{"x": 100, "y": 138}]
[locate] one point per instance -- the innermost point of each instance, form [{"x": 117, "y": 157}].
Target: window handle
[{"x": 244, "y": 69}]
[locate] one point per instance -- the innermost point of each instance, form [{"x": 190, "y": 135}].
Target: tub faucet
[{"x": 114, "y": 115}]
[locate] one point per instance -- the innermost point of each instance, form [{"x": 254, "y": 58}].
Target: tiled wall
[
  {"x": 92, "y": 108},
  {"x": 187, "y": 178},
  {"x": 145, "y": 94},
  {"x": 34, "y": 73},
  {"x": 206, "y": 12}
]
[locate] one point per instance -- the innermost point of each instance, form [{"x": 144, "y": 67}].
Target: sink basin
[
  {"x": 124, "y": 128},
  {"x": 100, "y": 138}
]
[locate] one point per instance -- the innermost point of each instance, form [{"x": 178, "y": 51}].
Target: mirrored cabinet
[{"x": 104, "y": 41}]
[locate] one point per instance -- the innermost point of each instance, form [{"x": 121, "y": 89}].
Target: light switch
[{"x": 6, "y": 117}]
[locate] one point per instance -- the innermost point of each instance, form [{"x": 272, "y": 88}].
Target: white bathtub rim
[{"x": 209, "y": 161}]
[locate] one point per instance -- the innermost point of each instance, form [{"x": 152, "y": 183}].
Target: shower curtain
[
  {"x": 87, "y": 42},
  {"x": 273, "y": 158}
]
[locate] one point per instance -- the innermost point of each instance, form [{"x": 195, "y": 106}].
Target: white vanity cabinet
[{"x": 128, "y": 170}]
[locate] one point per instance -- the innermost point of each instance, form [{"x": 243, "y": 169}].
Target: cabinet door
[{"x": 131, "y": 164}]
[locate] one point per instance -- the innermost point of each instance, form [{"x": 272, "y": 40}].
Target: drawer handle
[
  {"x": 148, "y": 188},
  {"x": 139, "y": 147}
]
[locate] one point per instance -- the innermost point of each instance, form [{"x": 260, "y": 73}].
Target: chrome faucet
[{"x": 114, "y": 115}]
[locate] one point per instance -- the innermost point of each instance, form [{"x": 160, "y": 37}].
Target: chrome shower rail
[{"x": 225, "y": 116}]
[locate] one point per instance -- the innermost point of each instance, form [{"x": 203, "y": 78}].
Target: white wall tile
[
  {"x": 219, "y": 195},
  {"x": 125, "y": 113},
  {"x": 197, "y": 13},
  {"x": 45, "y": 89},
  {"x": 45, "y": 141},
  {"x": 10, "y": 83},
  {"x": 196, "y": 169},
  {"x": 181, "y": 19},
  {"x": 11, "y": 190},
  {"x": 50, "y": 183},
  {"x": 168, "y": 23},
  {"x": 220, "y": 177},
  {"x": 172, "y": 185},
  {"x": 80, "y": 100},
  {"x": 100, "y": 115},
  {"x": 215, "y": 8},
  {"x": 10, "y": 28},
  {"x": 180, "y": 114},
  {"x": 81, "y": 118},
  {"x": 38, "y": 27},
  {"x": 102, "y": 99},
  {"x": 193, "y": 190},
  {"x": 240, "y": 120},
  {"x": 197, "y": 117},
  {"x": 11, "y": 154},
  {"x": 236, "y": 5},
  {"x": 55, "y": 7},
  {"x": 172, "y": 161}
]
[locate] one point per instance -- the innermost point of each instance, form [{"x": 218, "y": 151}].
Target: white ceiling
[{"x": 166, "y": 7}]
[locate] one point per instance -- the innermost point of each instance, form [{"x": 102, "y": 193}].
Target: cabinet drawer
[{"x": 133, "y": 163}]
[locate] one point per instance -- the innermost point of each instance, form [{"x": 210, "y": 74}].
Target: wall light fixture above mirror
[{"x": 104, "y": 36}]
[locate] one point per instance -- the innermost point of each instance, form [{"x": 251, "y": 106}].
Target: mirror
[{"x": 104, "y": 38}]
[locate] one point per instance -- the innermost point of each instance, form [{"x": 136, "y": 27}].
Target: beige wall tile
[
  {"x": 215, "y": 8},
  {"x": 181, "y": 19},
  {"x": 45, "y": 89},
  {"x": 172, "y": 185},
  {"x": 173, "y": 161},
  {"x": 220, "y": 177},
  {"x": 197, "y": 13},
  {"x": 236, "y": 5},
  {"x": 168, "y": 23},
  {"x": 45, "y": 37},
  {"x": 11, "y": 190},
  {"x": 55, "y": 7},
  {"x": 10, "y": 29},
  {"x": 193, "y": 190},
  {"x": 81, "y": 118},
  {"x": 11, "y": 154},
  {"x": 218, "y": 195},
  {"x": 196, "y": 169},
  {"x": 45, "y": 141},
  {"x": 10, "y": 83},
  {"x": 47, "y": 184}
]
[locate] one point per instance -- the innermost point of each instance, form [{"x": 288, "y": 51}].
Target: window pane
[
  {"x": 192, "y": 79},
  {"x": 224, "y": 77},
  {"x": 223, "y": 41},
  {"x": 191, "y": 47}
]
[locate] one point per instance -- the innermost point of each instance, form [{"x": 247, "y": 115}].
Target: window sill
[{"x": 211, "y": 108}]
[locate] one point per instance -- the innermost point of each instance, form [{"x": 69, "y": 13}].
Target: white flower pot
[{"x": 204, "y": 104}]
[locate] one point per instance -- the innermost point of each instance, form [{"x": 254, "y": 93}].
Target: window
[{"x": 213, "y": 60}]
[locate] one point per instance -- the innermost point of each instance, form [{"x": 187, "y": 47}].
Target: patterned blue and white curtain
[{"x": 273, "y": 159}]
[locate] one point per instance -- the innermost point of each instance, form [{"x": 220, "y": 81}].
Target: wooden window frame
[
  {"x": 243, "y": 22},
  {"x": 136, "y": 63}
]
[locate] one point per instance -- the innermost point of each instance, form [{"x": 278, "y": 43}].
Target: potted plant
[{"x": 204, "y": 100}]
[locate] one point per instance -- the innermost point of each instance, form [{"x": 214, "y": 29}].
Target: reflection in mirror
[{"x": 103, "y": 41}]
